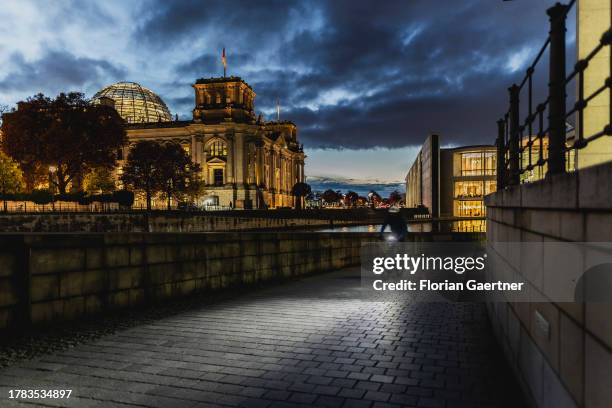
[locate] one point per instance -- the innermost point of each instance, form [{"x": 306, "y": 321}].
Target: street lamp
[{"x": 52, "y": 171}]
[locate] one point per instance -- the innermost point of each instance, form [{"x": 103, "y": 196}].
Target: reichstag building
[{"x": 246, "y": 162}]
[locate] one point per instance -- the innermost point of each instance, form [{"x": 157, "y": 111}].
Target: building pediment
[
  {"x": 280, "y": 141},
  {"x": 215, "y": 160}
]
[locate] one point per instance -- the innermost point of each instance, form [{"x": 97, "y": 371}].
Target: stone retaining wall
[
  {"x": 571, "y": 365},
  {"x": 63, "y": 276},
  {"x": 51, "y": 277},
  {"x": 180, "y": 221}
]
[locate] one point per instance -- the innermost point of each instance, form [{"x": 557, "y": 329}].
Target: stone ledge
[{"x": 588, "y": 189}]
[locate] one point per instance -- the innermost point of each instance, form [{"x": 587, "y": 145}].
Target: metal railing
[{"x": 540, "y": 140}]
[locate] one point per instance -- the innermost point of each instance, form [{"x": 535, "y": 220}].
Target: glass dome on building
[{"x": 135, "y": 103}]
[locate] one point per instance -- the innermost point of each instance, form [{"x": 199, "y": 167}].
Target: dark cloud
[
  {"x": 350, "y": 73},
  {"x": 359, "y": 74},
  {"x": 320, "y": 184},
  {"x": 57, "y": 71},
  {"x": 405, "y": 68},
  {"x": 210, "y": 63},
  {"x": 239, "y": 21}
]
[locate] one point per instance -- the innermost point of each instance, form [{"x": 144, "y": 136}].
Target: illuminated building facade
[
  {"x": 451, "y": 182},
  {"x": 245, "y": 161},
  {"x": 592, "y": 19}
]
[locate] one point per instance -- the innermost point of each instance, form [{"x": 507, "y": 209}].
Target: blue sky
[{"x": 364, "y": 81}]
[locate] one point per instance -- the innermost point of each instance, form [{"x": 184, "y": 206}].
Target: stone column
[
  {"x": 205, "y": 168},
  {"x": 239, "y": 157},
  {"x": 302, "y": 171},
  {"x": 194, "y": 152},
  {"x": 281, "y": 162},
  {"x": 259, "y": 165},
  {"x": 229, "y": 167}
]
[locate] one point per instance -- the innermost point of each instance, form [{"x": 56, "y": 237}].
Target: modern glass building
[
  {"x": 473, "y": 177},
  {"x": 134, "y": 103},
  {"x": 451, "y": 182}
]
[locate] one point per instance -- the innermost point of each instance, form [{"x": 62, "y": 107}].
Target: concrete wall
[
  {"x": 571, "y": 366},
  {"x": 177, "y": 221}
]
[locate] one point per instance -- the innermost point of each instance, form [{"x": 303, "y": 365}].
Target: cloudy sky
[{"x": 365, "y": 81}]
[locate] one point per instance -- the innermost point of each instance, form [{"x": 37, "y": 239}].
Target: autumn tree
[
  {"x": 330, "y": 196},
  {"x": 99, "y": 181},
  {"x": 350, "y": 199},
  {"x": 11, "y": 178},
  {"x": 395, "y": 197},
  {"x": 195, "y": 188},
  {"x": 167, "y": 169},
  {"x": 141, "y": 171},
  {"x": 299, "y": 191},
  {"x": 176, "y": 172},
  {"x": 375, "y": 198},
  {"x": 66, "y": 133},
  {"x": 3, "y": 109}
]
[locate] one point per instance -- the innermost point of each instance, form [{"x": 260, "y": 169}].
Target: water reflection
[{"x": 442, "y": 226}]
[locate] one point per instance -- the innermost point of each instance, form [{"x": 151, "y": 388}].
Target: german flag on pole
[{"x": 224, "y": 61}]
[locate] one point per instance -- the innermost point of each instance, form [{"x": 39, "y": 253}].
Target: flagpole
[{"x": 224, "y": 61}]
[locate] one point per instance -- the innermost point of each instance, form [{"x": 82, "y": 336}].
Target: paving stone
[{"x": 304, "y": 343}]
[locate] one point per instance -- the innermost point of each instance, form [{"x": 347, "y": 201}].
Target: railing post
[
  {"x": 513, "y": 173},
  {"x": 556, "y": 90},
  {"x": 501, "y": 129}
]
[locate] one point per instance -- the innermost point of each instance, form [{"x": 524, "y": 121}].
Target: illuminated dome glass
[{"x": 135, "y": 103}]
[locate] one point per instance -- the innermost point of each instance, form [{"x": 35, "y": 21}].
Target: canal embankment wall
[
  {"x": 189, "y": 221},
  {"x": 46, "y": 278}
]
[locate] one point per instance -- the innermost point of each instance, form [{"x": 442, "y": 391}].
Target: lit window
[
  {"x": 478, "y": 163},
  {"x": 218, "y": 148},
  {"x": 468, "y": 189},
  {"x": 473, "y": 208}
]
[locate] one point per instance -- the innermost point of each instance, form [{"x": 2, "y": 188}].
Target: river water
[{"x": 443, "y": 226}]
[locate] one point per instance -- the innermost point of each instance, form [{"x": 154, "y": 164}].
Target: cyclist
[{"x": 394, "y": 219}]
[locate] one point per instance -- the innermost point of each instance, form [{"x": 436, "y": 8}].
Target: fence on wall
[{"x": 538, "y": 140}]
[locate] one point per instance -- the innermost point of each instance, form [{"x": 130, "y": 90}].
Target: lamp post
[{"x": 52, "y": 171}]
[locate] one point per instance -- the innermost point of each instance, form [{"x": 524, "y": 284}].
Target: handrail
[{"x": 517, "y": 139}]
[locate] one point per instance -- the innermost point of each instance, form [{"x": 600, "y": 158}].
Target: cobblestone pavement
[{"x": 313, "y": 342}]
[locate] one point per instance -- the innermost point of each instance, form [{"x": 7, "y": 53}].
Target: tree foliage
[
  {"x": 41, "y": 196},
  {"x": 11, "y": 178},
  {"x": 195, "y": 188},
  {"x": 67, "y": 133},
  {"x": 300, "y": 190},
  {"x": 395, "y": 197},
  {"x": 331, "y": 197},
  {"x": 124, "y": 198},
  {"x": 177, "y": 172},
  {"x": 375, "y": 198},
  {"x": 350, "y": 199},
  {"x": 167, "y": 169},
  {"x": 99, "y": 181},
  {"x": 141, "y": 171},
  {"x": 3, "y": 109}
]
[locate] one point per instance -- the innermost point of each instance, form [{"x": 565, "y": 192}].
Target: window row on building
[{"x": 451, "y": 182}]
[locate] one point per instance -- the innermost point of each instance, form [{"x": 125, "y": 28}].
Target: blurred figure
[{"x": 394, "y": 219}]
